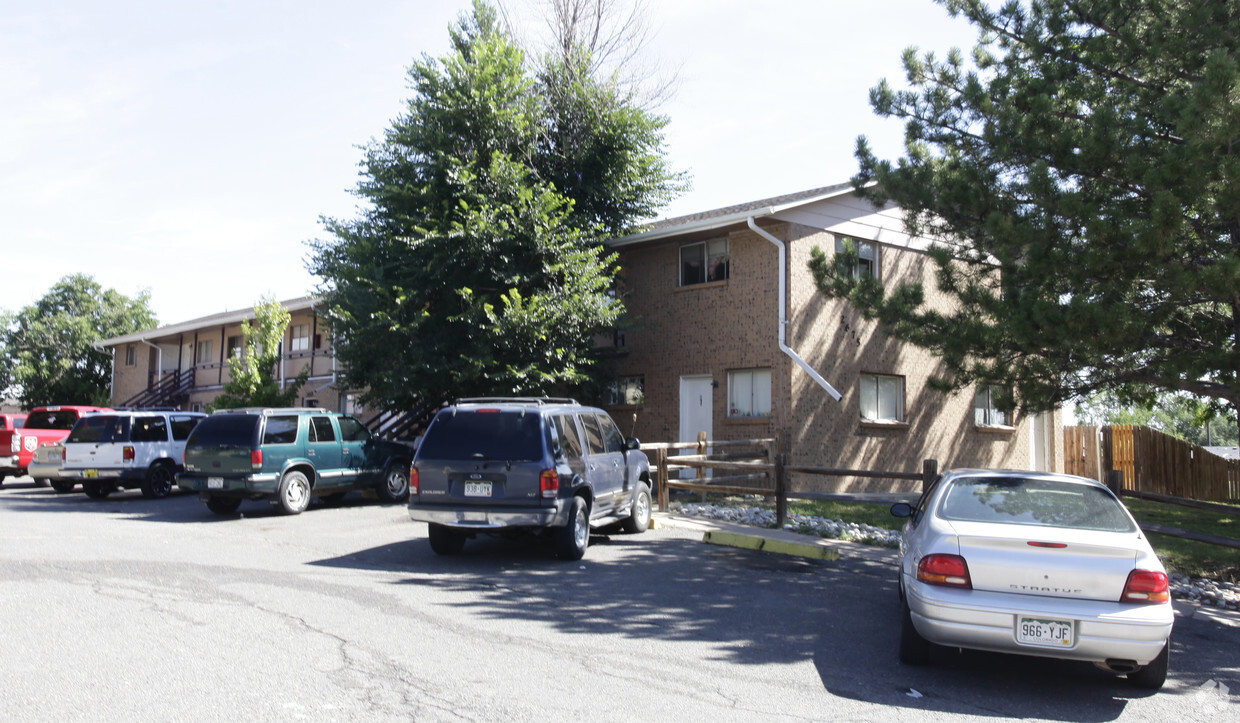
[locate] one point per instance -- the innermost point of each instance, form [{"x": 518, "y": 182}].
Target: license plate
[
  {"x": 1044, "y": 632},
  {"x": 477, "y": 489},
  {"x": 90, "y": 473},
  {"x": 215, "y": 483}
]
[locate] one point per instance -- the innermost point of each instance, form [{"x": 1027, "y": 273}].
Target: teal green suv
[{"x": 287, "y": 457}]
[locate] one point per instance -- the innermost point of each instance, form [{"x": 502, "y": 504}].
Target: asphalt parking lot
[{"x": 159, "y": 609}]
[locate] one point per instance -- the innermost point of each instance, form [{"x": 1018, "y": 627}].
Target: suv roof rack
[
  {"x": 271, "y": 410},
  {"x": 541, "y": 401}
]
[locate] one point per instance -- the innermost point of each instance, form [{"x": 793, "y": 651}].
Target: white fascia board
[{"x": 206, "y": 322}]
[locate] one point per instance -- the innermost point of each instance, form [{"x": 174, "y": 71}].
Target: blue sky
[{"x": 189, "y": 148}]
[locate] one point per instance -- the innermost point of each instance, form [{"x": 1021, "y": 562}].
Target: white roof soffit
[
  {"x": 227, "y": 318},
  {"x": 707, "y": 222}
]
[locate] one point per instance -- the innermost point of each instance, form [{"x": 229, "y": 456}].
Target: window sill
[
  {"x": 704, "y": 285},
  {"x": 1000, "y": 429},
  {"x": 891, "y": 426},
  {"x": 747, "y": 420}
]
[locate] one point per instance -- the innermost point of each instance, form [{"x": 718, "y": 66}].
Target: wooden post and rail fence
[
  {"x": 1152, "y": 463},
  {"x": 752, "y": 467}
]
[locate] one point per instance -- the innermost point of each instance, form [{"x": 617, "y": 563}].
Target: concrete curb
[{"x": 781, "y": 542}]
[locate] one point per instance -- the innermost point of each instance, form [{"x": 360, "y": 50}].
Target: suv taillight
[
  {"x": 413, "y": 480},
  {"x": 256, "y": 459},
  {"x": 549, "y": 484},
  {"x": 127, "y": 453},
  {"x": 1146, "y": 586},
  {"x": 64, "y": 454},
  {"x": 949, "y": 570}
]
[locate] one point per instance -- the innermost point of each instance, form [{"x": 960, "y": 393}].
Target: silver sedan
[{"x": 1032, "y": 563}]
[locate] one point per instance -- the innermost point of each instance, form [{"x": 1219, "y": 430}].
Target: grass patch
[{"x": 1187, "y": 557}]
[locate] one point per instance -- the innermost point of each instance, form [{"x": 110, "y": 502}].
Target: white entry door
[{"x": 696, "y": 412}]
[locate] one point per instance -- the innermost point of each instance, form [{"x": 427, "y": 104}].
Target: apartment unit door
[{"x": 696, "y": 412}]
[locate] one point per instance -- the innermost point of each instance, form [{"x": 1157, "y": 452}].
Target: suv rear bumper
[
  {"x": 472, "y": 518},
  {"x": 125, "y": 473},
  {"x": 263, "y": 484}
]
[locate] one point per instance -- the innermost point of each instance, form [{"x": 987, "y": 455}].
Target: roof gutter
[{"x": 783, "y": 311}]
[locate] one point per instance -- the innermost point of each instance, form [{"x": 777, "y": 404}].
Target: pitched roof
[
  {"x": 728, "y": 215},
  {"x": 224, "y": 318}
]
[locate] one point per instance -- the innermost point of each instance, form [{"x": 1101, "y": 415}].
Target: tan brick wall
[{"x": 714, "y": 328}]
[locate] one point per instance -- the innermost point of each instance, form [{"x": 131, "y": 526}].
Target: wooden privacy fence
[
  {"x": 753, "y": 466},
  {"x": 1152, "y": 462}
]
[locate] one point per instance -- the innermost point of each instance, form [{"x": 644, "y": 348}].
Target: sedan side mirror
[{"x": 901, "y": 509}]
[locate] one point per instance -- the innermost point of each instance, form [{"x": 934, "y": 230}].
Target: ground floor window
[
  {"x": 749, "y": 393},
  {"x": 882, "y": 398},
  {"x": 629, "y": 390},
  {"x": 986, "y": 411}
]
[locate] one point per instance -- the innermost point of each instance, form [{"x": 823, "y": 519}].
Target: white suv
[{"x": 143, "y": 449}]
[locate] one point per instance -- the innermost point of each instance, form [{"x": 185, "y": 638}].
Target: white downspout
[{"x": 783, "y": 312}]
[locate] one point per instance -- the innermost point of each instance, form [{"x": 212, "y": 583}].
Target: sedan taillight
[
  {"x": 549, "y": 484},
  {"x": 950, "y": 570},
  {"x": 1146, "y": 586}
]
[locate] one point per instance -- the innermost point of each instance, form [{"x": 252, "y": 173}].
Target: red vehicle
[
  {"x": 44, "y": 425},
  {"x": 9, "y": 424}
]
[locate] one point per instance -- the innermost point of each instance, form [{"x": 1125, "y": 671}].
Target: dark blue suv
[{"x": 500, "y": 464}]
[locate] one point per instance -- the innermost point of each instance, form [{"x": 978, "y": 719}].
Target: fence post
[
  {"x": 781, "y": 486},
  {"x": 929, "y": 471},
  {"x": 661, "y": 474},
  {"x": 700, "y": 477},
  {"x": 1115, "y": 480}
]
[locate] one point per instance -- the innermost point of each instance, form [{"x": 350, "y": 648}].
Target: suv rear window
[
  {"x": 280, "y": 430},
  {"x": 99, "y": 428},
  {"x": 62, "y": 419},
  {"x": 236, "y": 430},
  {"x": 484, "y": 435},
  {"x": 149, "y": 429}
]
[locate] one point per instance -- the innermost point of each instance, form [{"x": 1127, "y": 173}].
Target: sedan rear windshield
[
  {"x": 484, "y": 435},
  {"x": 231, "y": 430},
  {"x": 1033, "y": 501}
]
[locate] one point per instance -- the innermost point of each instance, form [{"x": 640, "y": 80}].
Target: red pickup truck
[
  {"x": 9, "y": 424},
  {"x": 44, "y": 425}
]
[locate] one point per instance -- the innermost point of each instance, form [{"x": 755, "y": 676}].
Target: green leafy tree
[
  {"x": 1080, "y": 181},
  {"x": 252, "y": 374},
  {"x": 47, "y": 348},
  {"x": 1179, "y": 415},
  {"x": 477, "y": 266}
]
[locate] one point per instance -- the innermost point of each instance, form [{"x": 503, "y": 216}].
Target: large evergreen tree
[
  {"x": 1081, "y": 179},
  {"x": 477, "y": 266},
  {"x": 47, "y": 348}
]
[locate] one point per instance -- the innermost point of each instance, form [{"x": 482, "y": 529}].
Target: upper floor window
[
  {"x": 867, "y": 255},
  {"x": 299, "y": 337},
  {"x": 882, "y": 398},
  {"x": 203, "y": 355},
  {"x": 236, "y": 346},
  {"x": 749, "y": 393},
  {"x": 131, "y": 355},
  {"x": 704, "y": 261},
  {"x": 986, "y": 411}
]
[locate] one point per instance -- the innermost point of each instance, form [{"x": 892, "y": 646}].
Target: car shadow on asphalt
[{"x": 753, "y": 608}]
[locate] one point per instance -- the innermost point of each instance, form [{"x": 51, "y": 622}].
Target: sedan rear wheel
[
  {"x": 914, "y": 649},
  {"x": 1153, "y": 675}
]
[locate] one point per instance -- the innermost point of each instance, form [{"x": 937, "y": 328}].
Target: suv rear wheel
[
  {"x": 571, "y": 539},
  {"x": 223, "y": 505},
  {"x": 394, "y": 485},
  {"x": 445, "y": 540},
  {"x": 158, "y": 481},
  {"x": 294, "y": 493},
  {"x": 63, "y": 486},
  {"x": 639, "y": 514},
  {"x": 97, "y": 490}
]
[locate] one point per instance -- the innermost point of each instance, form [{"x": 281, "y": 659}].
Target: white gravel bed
[{"x": 1204, "y": 591}]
